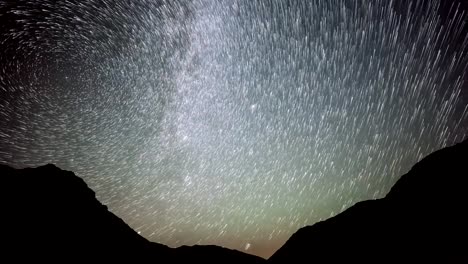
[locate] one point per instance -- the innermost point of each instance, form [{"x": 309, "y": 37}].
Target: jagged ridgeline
[{"x": 51, "y": 215}]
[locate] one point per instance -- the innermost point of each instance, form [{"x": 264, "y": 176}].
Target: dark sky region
[{"x": 231, "y": 122}]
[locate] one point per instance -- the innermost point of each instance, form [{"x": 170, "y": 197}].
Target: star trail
[{"x": 231, "y": 123}]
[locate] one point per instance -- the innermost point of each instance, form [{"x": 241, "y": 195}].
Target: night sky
[{"x": 231, "y": 122}]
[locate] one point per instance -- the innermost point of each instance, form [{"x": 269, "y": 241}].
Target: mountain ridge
[
  {"x": 50, "y": 214},
  {"x": 420, "y": 219},
  {"x": 59, "y": 209}
]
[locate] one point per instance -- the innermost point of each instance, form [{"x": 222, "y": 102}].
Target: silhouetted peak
[
  {"x": 422, "y": 219},
  {"x": 57, "y": 211},
  {"x": 442, "y": 173}
]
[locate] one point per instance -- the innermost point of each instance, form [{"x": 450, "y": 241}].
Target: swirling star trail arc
[{"x": 231, "y": 122}]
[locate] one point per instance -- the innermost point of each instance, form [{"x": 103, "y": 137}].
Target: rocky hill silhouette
[
  {"x": 423, "y": 219},
  {"x": 50, "y": 215}
]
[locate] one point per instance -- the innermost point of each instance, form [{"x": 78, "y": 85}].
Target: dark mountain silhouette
[
  {"x": 423, "y": 219},
  {"x": 50, "y": 215}
]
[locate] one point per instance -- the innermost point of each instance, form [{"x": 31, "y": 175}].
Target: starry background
[{"x": 231, "y": 122}]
